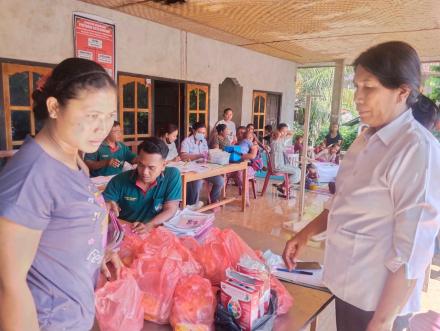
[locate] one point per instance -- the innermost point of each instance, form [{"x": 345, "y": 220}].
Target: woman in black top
[{"x": 333, "y": 137}]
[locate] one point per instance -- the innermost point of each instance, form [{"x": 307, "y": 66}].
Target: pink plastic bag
[
  {"x": 194, "y": 304},
  {"x": 285, "y": 300},
  {"x": 118, "y": 305}
]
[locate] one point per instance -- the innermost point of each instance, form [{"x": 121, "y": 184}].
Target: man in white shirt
[{"x": 382, "y": 222}]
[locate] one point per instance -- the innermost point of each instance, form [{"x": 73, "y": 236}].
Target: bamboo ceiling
[{"x": 309, "y": 31}]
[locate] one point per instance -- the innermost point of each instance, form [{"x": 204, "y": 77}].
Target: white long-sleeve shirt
[{"x": 385, "y": 213}]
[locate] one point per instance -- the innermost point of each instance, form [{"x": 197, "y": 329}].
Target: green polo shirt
[
  {"x": 104, "y": 152},
  {"x": 137, "y": 205}
]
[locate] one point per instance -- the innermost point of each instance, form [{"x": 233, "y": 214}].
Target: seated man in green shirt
[
  {"x": 110, "y": 157},
  {"x": 149, "y": 195}
]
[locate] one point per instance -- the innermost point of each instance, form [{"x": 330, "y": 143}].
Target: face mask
[{"x": 199, "y": 136}]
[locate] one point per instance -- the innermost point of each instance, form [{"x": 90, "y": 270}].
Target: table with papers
[{"x": 192, "y": 171}]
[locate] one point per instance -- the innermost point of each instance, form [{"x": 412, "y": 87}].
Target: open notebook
[
  {"x": 275, "y": 262},
  {"x": 312, "y": 281}
]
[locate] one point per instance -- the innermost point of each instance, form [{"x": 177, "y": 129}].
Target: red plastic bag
[
  {"x": 285, "y": 300},
  {"x": 194, "y": 304},
  {"x": 157, "y": 278},
  {"x": 236, "y": 247},
  {"x": 221, "y": 250},
  {"x": 131, "y": 245},
  {"x": 214, "y": 259},
  {"x": 118, "y": 305},
  {"x": 190, "y": 243},
  {"x": 161, "y": 243}
]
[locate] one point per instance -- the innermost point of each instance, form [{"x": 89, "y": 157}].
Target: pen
[{"x": 296, "y": 271}]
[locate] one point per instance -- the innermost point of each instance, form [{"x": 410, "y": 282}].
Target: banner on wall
[{"x": 94, "y": 39}]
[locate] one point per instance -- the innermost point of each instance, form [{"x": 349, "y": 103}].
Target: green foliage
[
  {"x": 318, "y": 82},
  {"x": 434, "y": 83},
  {"x": 348, "y": 133}
]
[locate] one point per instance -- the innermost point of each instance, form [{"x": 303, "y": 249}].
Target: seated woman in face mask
[{"x": 195, "y": 147}]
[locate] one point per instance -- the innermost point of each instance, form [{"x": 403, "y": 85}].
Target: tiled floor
[{"x": 274, "y": 215}]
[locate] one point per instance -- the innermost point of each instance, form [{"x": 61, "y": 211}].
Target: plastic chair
[{"x": 271, "y": 172}]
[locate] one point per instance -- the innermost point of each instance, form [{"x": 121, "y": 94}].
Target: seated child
[{"x": 312, "y": 176}]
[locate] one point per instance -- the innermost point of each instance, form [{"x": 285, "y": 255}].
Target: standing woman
[
  {"x": 334, "y": 136},
  {"x": 53, "y": 220},
  {"x": 383, "y": 219}
]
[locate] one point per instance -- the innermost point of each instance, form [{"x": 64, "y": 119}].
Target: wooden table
[
  {"x": 216, "y": 170},
  {"x": 308, "y": 303}
]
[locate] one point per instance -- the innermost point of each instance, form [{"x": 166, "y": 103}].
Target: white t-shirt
[{"x": 172, "y": 151}]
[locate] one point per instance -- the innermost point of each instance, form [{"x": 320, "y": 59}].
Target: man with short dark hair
[
  {"x": 149, "y": 195},
  {"x": 110, "y": 157}
]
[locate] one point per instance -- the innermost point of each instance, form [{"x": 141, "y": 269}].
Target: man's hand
[
  {"x": 114, "y": 163},
  {"x": 141, "y": 228}
]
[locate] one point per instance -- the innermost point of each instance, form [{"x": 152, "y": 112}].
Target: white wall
[{"x": 41, "y": 31}]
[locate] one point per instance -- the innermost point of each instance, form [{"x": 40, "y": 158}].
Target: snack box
[
  {"x": 242, "y": 301},
  {"x": 263, "y": 282}
]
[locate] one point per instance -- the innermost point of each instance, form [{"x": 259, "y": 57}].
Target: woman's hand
[
  {"x": 292, "y": 250},
  {"x": 111, "y": 257},
  {"x": 113, "y": 206}
]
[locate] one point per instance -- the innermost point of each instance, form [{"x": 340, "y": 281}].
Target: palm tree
[{"x": 317, "y": 82}]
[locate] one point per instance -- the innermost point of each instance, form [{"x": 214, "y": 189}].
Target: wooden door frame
[
  {"x": 9, "y": 68},
  {"x": 173, "y": 80}
]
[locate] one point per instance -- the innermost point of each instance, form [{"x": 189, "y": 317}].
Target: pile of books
[{"x": 190, "y": 223}]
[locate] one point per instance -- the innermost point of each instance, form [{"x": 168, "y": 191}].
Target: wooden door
[
  {"x": 259, "y": 111},
  {"x": 197, "y": 105},
  {"x": 135, "y": 107}
]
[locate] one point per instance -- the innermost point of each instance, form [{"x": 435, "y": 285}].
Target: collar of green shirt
[
  {"x": 117, "y": 146},
  {"x": 134, "y": 180}
]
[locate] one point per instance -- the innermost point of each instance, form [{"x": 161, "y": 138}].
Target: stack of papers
[
  {"x": 190, "y": 223},
  {"x": 188, "y": 166},
  {"x": 115, "y": 233},
  {"x": 101, "y": 181}
]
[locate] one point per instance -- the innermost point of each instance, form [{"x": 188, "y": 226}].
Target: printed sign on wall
[{"x": 95, "y": 40}]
